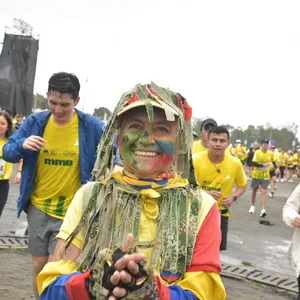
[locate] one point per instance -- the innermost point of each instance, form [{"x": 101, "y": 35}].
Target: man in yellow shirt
[
  {"x": 217, "y": 172},
  {"x": 58, "y": 148},
  {"x": 201, "y": 145},
  {"x": 282, "y": 163},
  {"x": 239, "y": 151},
  {"x": 263, "y": 161}
]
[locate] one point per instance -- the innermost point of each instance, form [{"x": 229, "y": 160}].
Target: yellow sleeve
[
  {"x": 52, "y": 270},
  {"x": 204, "y": 285},
  {"x": 196, "y": 160},
  {"x": 241, "y": 179},
  {"x": 196, "y": 147},
  {"x": 74, "y": 214}
]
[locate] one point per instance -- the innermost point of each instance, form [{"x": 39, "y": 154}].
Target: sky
[{"x": 236, "y": 61}]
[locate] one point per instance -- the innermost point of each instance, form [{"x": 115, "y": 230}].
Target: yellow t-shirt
[
  {"x": 296, "y": 159},
  {"x": 240, "y": 152},
  {"x": 219, "y": 177},
  {"x": 58, "y": 174},
  {"x": 198, "y": 147},
  {"x": 261, "y": 158},
  {"x": 5, "y": 167},
  {"x": 282, "y": 158}
]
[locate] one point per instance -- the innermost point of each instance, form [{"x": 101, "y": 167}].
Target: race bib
[{"x": 2, "y": 167}]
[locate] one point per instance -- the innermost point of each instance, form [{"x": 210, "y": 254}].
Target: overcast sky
[{"x": 236, "y": 61}]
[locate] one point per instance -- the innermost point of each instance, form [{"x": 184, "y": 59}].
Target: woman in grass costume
[{"x": 143, "y": 232}]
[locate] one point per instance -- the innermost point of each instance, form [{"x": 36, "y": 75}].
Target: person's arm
[
  {"x": 13, "y": 150},
  {"x": 255, "y": 164},
  {"x": 21, "y": 143},
  {"x": 291, "y": 208},
  {"x": 17, "y": 178},
  {"x": 241, "y": 186},
  {"x": 59, "y": 279},
  {"x": 228, "y": 200},
  {"x": 201, "y": 280},
  {"x": 69, "y": 284},
  {"x": 60, "y": 273}
]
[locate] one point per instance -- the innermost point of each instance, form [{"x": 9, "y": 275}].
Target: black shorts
[{"x": 272, "y": 173}]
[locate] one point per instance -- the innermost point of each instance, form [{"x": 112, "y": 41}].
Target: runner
[{"x": 6, "y": 169}]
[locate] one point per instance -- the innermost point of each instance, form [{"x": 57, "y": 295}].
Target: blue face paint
[{"x": 166, "y": 147}]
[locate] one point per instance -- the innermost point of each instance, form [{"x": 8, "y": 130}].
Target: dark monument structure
[{"x": 17, "y": 69}]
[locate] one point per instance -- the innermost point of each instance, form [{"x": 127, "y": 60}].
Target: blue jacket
[{"x": 90, "y": 133}]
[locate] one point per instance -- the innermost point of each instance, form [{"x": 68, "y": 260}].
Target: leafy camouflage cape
[{"x": 116, "y": 207}]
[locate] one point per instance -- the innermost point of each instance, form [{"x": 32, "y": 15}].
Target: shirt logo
[
  {"x": 76, "y": 143},
  {"x": 227, "y": 177},
  {"x": 58, "y": 162}
]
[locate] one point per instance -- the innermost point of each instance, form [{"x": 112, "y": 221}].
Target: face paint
[{"x": 148, "y": 149}]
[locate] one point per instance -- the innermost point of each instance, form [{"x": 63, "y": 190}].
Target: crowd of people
[{"x": 137, "y": 208}]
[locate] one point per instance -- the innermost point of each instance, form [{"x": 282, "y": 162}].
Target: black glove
[
  {"x": 137, "y": 282},
  {"x": 109, "y": 269}
]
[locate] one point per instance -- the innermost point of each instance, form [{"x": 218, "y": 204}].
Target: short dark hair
[
  {"x": 9, "y": 123},
  {"x": 219, "y": 130},
  {"x": 64, "y": 82}
]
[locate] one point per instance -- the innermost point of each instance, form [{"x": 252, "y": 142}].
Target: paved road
[
  {"x": 9, "y": 223},
  {"x": 264, "y": 247}
]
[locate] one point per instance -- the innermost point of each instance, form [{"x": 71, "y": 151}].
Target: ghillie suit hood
[{"x": 171, "y": 103}]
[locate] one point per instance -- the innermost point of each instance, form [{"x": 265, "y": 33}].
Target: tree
[
  {"x": 102, "y": 113},
  {"x": 40, "y": 101}
]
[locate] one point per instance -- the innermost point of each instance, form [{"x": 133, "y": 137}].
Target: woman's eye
[
  {"x": 162, "y": 129},
  {"x": 134, "y": 126}
]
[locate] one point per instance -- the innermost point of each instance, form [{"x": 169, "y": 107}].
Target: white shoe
[
  {"x": 263, "y": 213},
  {"x": 282, "y": 180},
  {"x": 271, "y": 195},
  {"x": 252, "y": 209}
]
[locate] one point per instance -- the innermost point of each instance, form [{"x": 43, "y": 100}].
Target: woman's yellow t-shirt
[{"x": 5, "y": 167}]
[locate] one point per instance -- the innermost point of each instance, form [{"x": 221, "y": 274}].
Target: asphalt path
[{"x": 264, "y": 247}]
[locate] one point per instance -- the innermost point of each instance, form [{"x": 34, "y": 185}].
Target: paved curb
[
  {"x": 13, "y": 242},
  {"x": 277, "y": 280}
]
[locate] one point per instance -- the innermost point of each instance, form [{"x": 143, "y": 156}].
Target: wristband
[{"x": 19, "y": 171}]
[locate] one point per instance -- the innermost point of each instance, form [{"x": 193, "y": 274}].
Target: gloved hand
[{"x": 136, "y": 283}]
